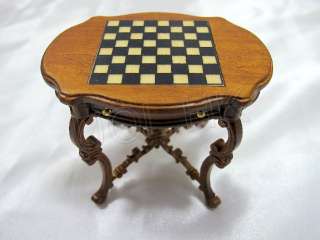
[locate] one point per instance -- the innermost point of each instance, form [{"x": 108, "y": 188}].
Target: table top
[
  {"x": 156, "y": 60},
  {"x": 156, "y": 52}
]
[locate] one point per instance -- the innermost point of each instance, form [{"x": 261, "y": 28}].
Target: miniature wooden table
[{"x": 157, "y": 72}]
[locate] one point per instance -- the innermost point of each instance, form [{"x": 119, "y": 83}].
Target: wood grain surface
[{"x": 245, "y": 62}]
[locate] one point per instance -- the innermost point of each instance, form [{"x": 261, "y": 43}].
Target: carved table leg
[
  {"x": 90, "y": 151},
  {"x": 220, "y": 155}
]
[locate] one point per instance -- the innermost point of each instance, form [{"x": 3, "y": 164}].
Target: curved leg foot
[
  {"x": 212, "y": 199},
  {"x": 90, "y": 151},
  {"x": 100, "y": 196},
  {"x": 213, "y": 202},
  {"x": 220, "y": 155}
]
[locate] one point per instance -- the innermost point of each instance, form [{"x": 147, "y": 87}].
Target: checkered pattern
[{"x": 157, "y": 52}]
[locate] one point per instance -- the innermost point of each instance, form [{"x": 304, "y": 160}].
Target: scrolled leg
[
  {"x": 220, "y": 155},
  {"x": 205, "y": 185},
  {"x": 90, "y": 151}
]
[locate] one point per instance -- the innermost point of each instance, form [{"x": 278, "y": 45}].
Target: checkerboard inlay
[{"x": 157, "y": 52}]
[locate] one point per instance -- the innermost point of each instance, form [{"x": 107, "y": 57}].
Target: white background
[{"x": 269, "y": 191}]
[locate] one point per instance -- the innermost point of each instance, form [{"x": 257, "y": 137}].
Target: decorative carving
[
  {"x": 220, "y": 152},
  {"x": 178, "y": 156},
  {"x": 220, "y": 155},
  {"x": 133, "y": 157},
  {"x": 154, "y": 139},
  {"x": 90, "y": 151},
  {"x": 205, "y": 186},
  {"x": 161, "y": 137}
]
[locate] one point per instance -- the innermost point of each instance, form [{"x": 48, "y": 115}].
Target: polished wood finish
[
  {"x": 157, "y": 111},
  {"x": 246, "y": 65},
  {"x": 220, "y": 154},
  {"x": 90, "y": 151}
]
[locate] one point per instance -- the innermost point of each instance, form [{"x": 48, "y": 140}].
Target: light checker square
[{"x": 151, "y": 52}]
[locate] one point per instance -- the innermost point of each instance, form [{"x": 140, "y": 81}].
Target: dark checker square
[
  {"x": 163, "y": 29},
  {"x": 179, "y": 68},
  {"x": 148, "y": 68},
  {"x": 163, "y": 43},
  {"x": 164, "y": 78},
  {"x": 150, "y": 22},
  {"x": 189, "y": 29},
  {"x": 177, "y": 36},
  {"x": 210, "y": 69},
  {"x": 131, "y": 78},
  {"x": 116, "y": 69},
  {"x": 98, "y": 78},
  {"x": 191, "y": 43},
  {"x": 175, "y": 23},
  {"x": 207, "y": 51},
  {"x": 110, "y": 29},
  {"x": 108, "y": 43},
  {"x": 194, "y": 59},
  {"x": 137, "y": 29},
  {"x": 163, "y": 59},
  {"x": 133, "y": 59},
  {"x": 125, "y": 23},
  {"x": 103, "y": 60},
  {"x": 149, "y": 51},
  {"x": 150, "y": 35},
  {"x": 204, "y": 36},
  {"x": 120, "y": 51},
  {"x": 178, "y": 51},
  {"x": 173, "y": 44},
  {"x": 196, "y": 79},
  {"x": 123, "y": 36},
  {"x": 135, "y": 43}
]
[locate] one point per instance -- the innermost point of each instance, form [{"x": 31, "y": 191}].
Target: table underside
[{"x": 220, "y": 153}]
